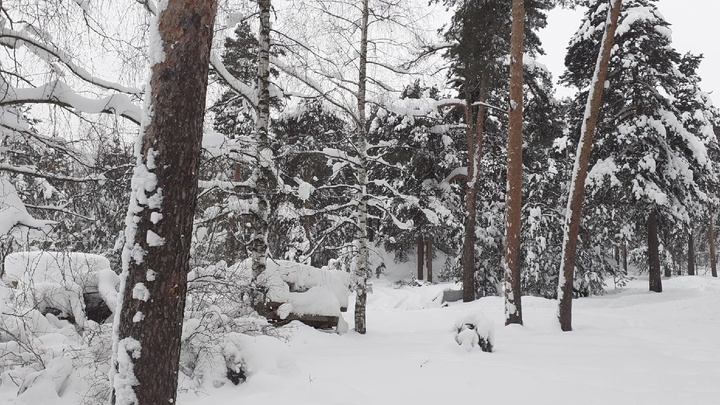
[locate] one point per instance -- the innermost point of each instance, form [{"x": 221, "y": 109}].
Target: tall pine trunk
[
  {"x": 156, "y": 255},
  {"x": 361, "y": 260},
  {"x": 577, "y": 193},
  {"x": 691, "y": 255},
  {"x": 653, "y": 253},
  {"x": 624, "y": 257},
  {"x": 429, "y": 258},
  {"x": 420, "y": 257},
  {"x": 474, "y": 138},
  {"x": 513, "y": 207},
  {"x": 263, "y": 175},
  {"x": 711, "y": 238}
]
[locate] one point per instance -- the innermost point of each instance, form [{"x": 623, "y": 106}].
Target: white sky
[{"x": 695, "y": 28}]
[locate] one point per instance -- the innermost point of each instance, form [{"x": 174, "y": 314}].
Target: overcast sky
[{"x": 695, "y": 27}]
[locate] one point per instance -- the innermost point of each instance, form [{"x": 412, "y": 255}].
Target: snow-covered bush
[{"x": 475, "y": 331}]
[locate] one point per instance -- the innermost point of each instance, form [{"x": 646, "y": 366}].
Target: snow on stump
[
  {"x": 475, "y": 331},
  {"x": 73, "y": 286},
  {"x": 315, "y": 297}
]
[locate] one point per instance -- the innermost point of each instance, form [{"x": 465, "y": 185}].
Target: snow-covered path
[{"x": 628, "y": 347}]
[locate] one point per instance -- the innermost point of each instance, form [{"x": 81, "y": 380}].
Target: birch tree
[
  {"x": 159, "y": 223},
  {"x": 582, "y": 159}
]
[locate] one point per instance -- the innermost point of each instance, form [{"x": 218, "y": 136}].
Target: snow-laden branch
[
  {"x": 59, "y": 208},
  {"x": 459, "y": 173},
  {"x": 48, "y": 52},
  {"x": 239, "y": 87},
  {"x": 59, "y": 93},
  {"x": 34, "y": 172}
]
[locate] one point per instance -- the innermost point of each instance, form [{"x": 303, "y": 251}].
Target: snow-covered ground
[{"x": 628, "y": 347}]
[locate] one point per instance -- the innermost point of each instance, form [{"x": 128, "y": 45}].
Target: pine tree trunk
[
  {"x": 691, "y": 255},
  {"x": 577, "y": 194},
  {"x": 474, "y": 138},
  {"x": 420, "y": 257},
  {"x": 156, "y": 255},
  {"x": 624, "y": 256},
  {"x": 711, "y": 238},
  {"x": 429, "y": 258},
  {"x": 362, "y": 265},
  {"x": 513, "y": 207},
  {"x": 653, "y": 253},
  {"x": 257, "y": 246}
]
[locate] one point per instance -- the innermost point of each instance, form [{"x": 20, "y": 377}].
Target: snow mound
[{"x": 475, "y": 331}]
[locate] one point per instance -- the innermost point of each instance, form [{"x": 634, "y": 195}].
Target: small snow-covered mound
[{"x": 475, "y": 331}]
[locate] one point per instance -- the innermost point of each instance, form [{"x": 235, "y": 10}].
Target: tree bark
[
  {"x": 577, "y": 194},
  {"x": 653, "y": 253},
  {"x": 159, "y": 223},
  {"x": 263, "y": 176},
  {"x": 420, "y": 257},
  {"x": 474, "y": 138},
  {"x": 361, "y": 264},
  {"x": 711, "y": 238},
  {"x": 513, "y": 307},
  {"x": 429, "y": 258},
  {"x": 691, "y": 254},
  {"x": 624, "y": 256}
]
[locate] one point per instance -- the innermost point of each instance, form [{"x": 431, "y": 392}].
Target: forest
[{"x": 189, "y": 188}]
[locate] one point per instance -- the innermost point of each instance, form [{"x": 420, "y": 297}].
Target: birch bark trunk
[
  {"x": 361, "y": 263},
  {"x": 263, "y": 176}
]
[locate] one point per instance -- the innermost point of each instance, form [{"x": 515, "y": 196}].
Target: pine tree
[{"x": 644, "y": 162}]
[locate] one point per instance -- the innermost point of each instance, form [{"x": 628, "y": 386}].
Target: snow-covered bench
[
  {"x": 316, "y": 297},
  {"x": 75, "y": 286}
]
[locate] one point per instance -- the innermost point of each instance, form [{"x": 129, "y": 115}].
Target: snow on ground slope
[{"x": 628, "y": 347}]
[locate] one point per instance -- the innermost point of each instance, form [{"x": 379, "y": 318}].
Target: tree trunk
[
  {"x": 420, "y": 257},
  {"x": 653, "y": 253},
  {"x": 624, "y": 256},
  {"x": 675, "y": 265},
  {"x": 159, "y": 223},
  {"x": 429, "y": 258},
  {"x": 711, "y": 237},
  {"x": 474, "y": 138},
  {"x": 362, "y": 265},
  {"x": 691, "y": 255},
  {"x": 513, "y": 207},
  {"x": 577, "y": 194},
  {"x": 257, "y": 246}
]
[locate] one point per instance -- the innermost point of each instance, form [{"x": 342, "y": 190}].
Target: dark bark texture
[
  {"x": 513, "y": 207},
  {"x": 429, "y": 258},
  {"x": 691, "y": 255},
  {"x": 155, "y": 285},
  {"x": 572, "y": 225},
  {"x": 653, "y": 253},
  {"x": 420, "y": 257},
  {"x": 711, "y": 238}
]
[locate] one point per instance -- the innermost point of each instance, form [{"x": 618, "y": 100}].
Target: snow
[
  {"x": 628, "y": 347},
  {"x": 59, "y": 279},
  {"x": 13, "y": 212}
]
